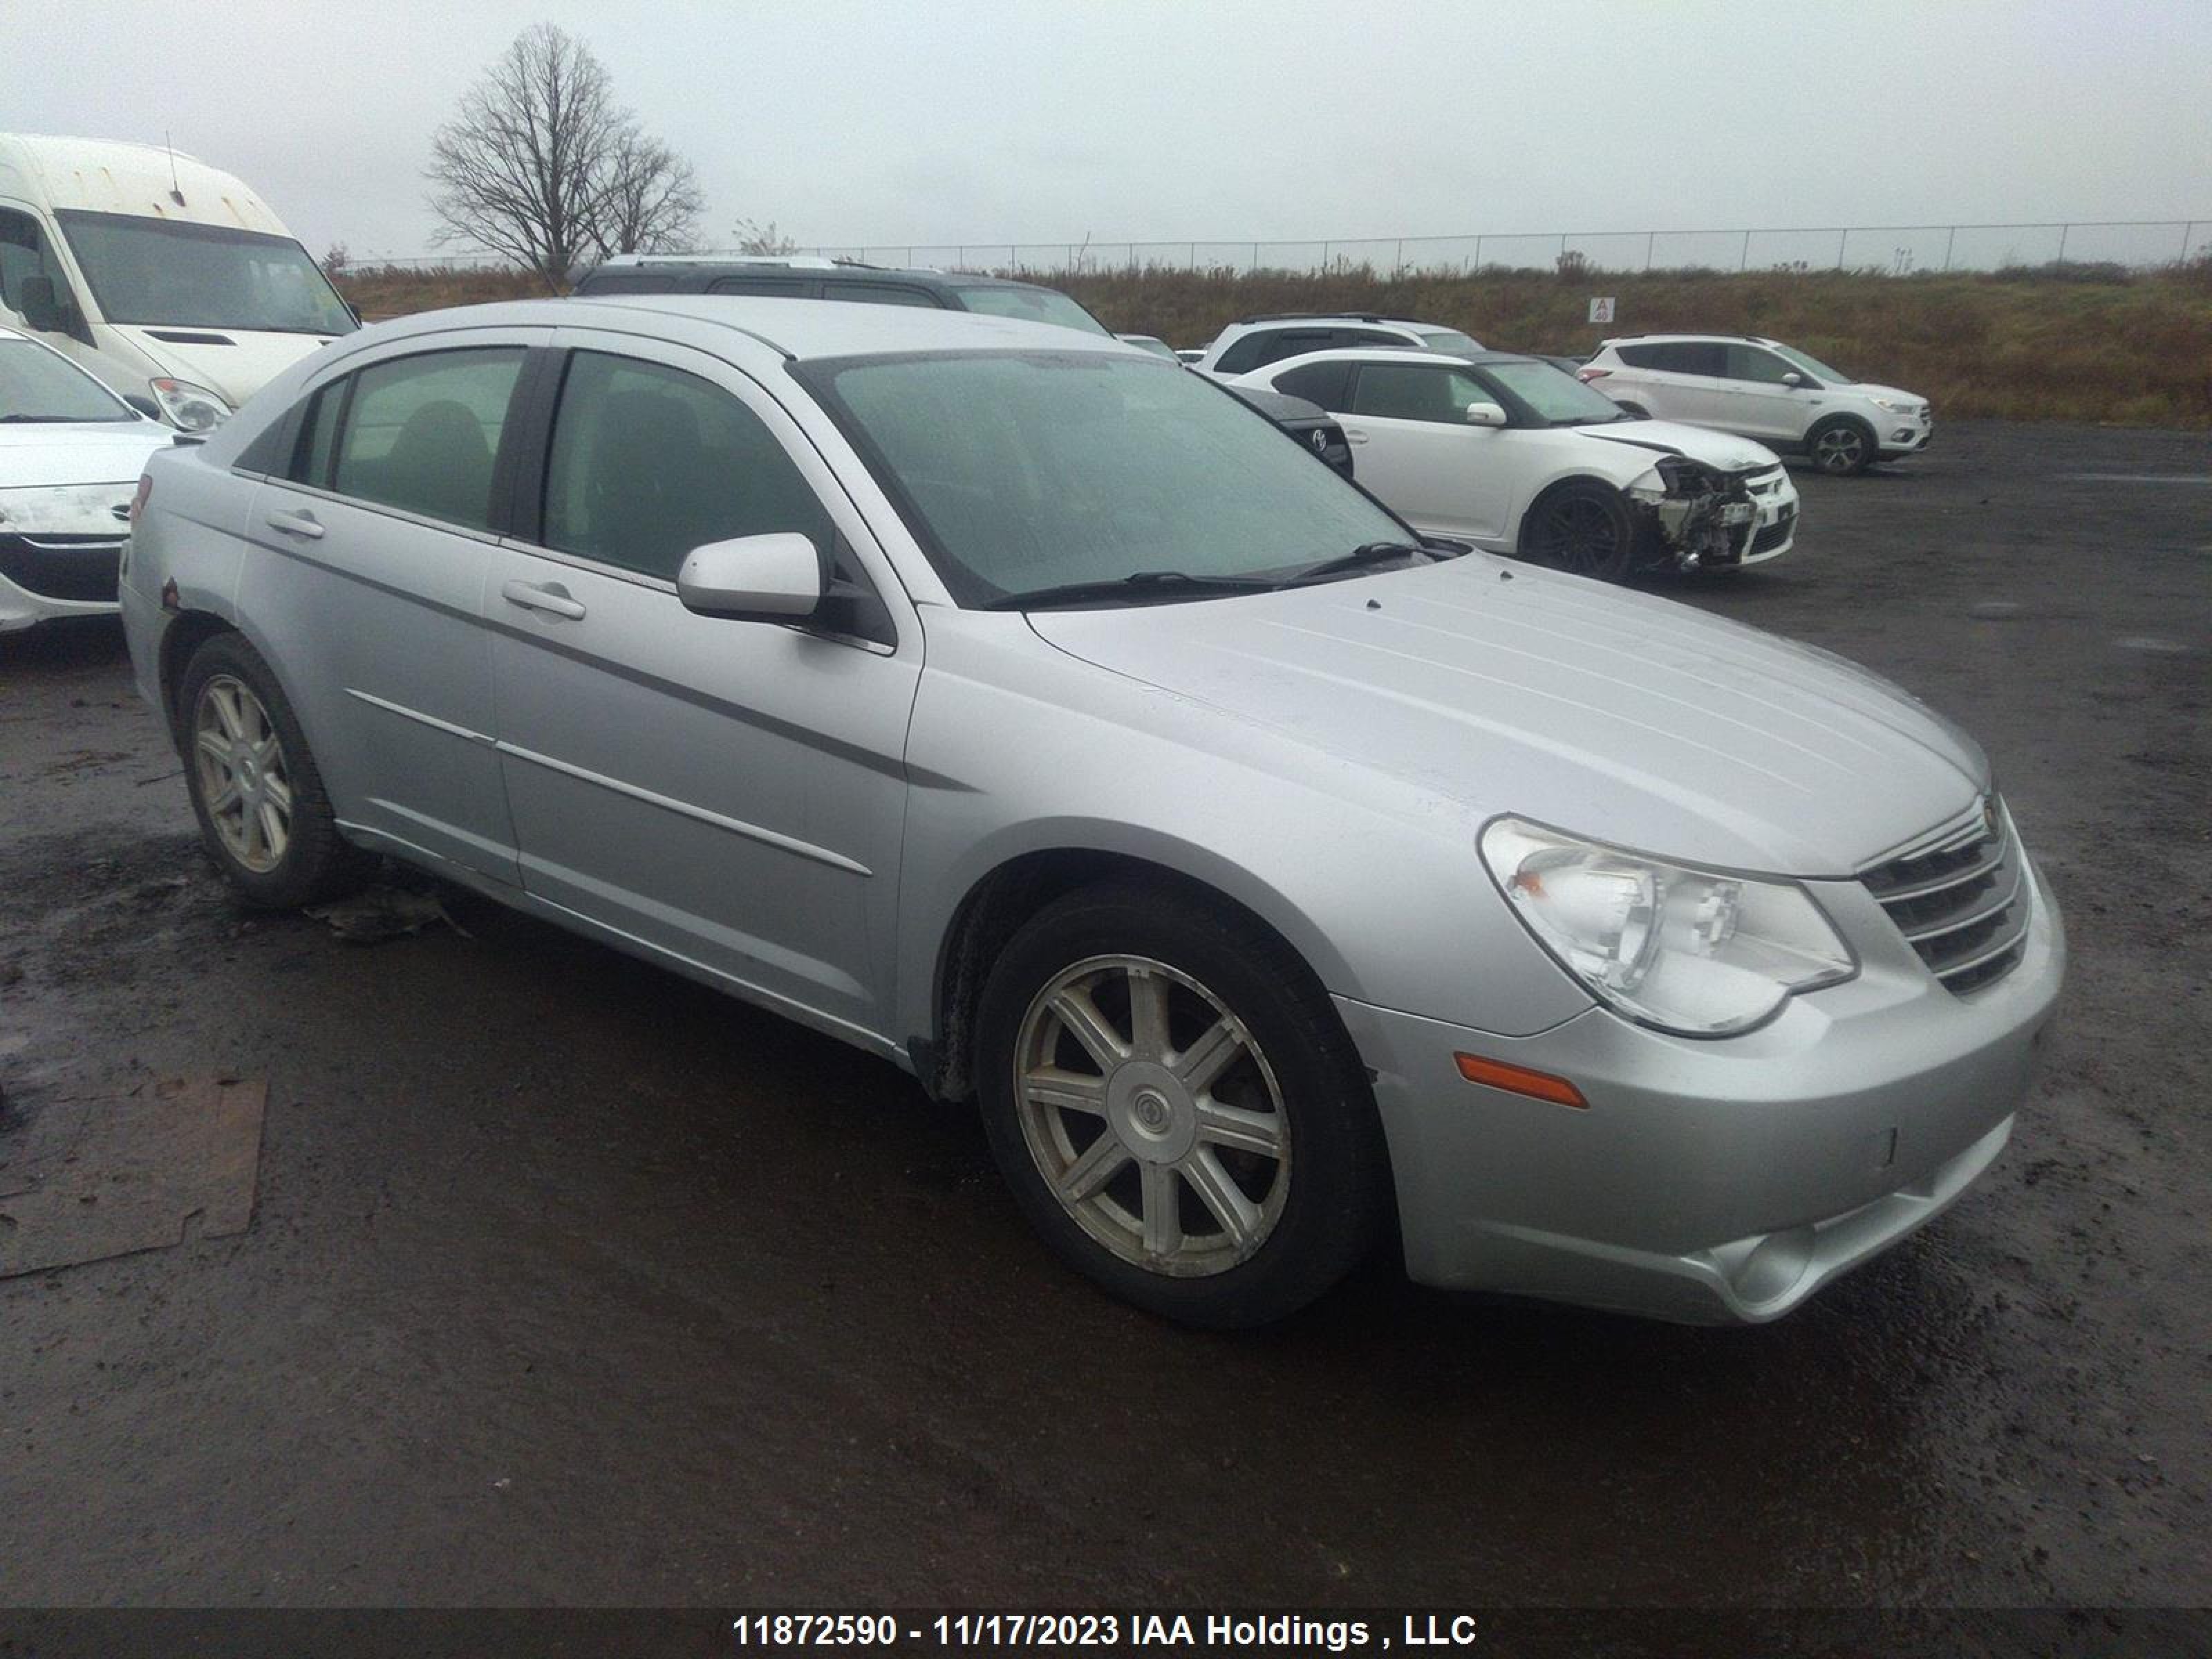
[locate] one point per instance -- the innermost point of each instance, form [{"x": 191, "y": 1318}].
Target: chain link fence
[{"x": 1893, "y": 250}]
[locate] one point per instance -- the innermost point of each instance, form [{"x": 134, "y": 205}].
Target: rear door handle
[
  {"x": 295, "y": 523},
  {"x": 552, "y": 597}
]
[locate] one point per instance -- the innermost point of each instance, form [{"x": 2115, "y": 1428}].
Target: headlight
[
  {"x": 1690, "y": 952},
  {"x": 193, "y": 408},
  {"x": 1896, "y": 405}
]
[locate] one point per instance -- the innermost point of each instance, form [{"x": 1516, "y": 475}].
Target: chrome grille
[{"x": 1960, "y": 898}]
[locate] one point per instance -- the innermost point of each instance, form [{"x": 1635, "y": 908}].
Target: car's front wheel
[
  {"x": 1581, "y": 528},
  {"x": 1841, "y": 447},
  {"x": 263, "y": 812},
  {"x": 1176, "y": 1107}
]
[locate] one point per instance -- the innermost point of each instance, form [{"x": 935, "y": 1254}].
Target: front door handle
[
  {"x": 295, "y": 523},
  {"x": 552, "y": 597},
  {"x": 1354, "y": 437}
]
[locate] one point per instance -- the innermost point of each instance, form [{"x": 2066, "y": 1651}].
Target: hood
[
  {"x": 1724, "y": 450},
  {"x": 233, "y": 362},
  {"x": 34, "y": 454},
  {"x": 1869, "y": 389},
  {"x": 1509, "y": 689}
]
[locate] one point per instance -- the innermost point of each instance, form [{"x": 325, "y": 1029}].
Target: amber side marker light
[{"x": 1520, "y": 1080}]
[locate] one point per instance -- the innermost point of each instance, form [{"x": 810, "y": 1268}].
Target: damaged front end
[{"x": 1694, "y": 517}]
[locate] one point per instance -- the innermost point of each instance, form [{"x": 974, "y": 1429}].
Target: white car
[
  {"x": 70, "y": 454},
  {"x": 1516, "y": 457},
  {"x": 1763, "y": 389},
  {"x": 1251, "y": 343}
]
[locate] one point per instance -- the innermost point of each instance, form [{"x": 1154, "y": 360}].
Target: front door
[
  {"x": 729, "y": 794},
  {"x": 1761, "y": 404},
  {"x": 1412, "y": 448}
]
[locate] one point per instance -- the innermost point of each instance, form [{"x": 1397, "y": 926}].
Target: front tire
[
  {"x": 1583, "y": 529},
  {"x": 1841, "y": 448},
  {"x": 1170, "y": 1096},
  {"x": 264, "y": 815}
]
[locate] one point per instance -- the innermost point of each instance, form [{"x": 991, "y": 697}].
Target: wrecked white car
[
  {"x": 1516, "y": 457},
  {"x": 70, "y": 454}
]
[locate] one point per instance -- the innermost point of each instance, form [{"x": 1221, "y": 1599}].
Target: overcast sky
[{"x": 972, "y": 120}]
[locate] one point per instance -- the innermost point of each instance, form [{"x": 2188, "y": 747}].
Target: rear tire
[
  {"x": 1841, "y": 446},
  {"x": 264, "y": 815},
  {"x": 1175, "y": 1105},
  {"x": 1583, "y": 529}
]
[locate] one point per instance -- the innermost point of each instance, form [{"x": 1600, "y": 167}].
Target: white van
[{"x": 169, "y": 280}]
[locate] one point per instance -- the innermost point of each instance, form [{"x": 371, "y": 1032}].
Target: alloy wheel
[
  {"x": 1152, "y": 1115},
  {"x": 1576, "y": 534},
  {"x": 243, "y": 780},
  {"x": 1839, "y": 449}
]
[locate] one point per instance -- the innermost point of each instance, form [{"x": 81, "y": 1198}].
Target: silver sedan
[{"x": 1030, "y": 713}]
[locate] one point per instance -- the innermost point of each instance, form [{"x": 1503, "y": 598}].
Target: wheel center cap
[{"x": 1151, "y": 1112}]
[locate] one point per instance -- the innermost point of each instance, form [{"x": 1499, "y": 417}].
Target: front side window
[
  {"x": 648, "y": 462},
  {"x": 38, "y": 386},
  {"x": 421, "y": 433},
  {"x": 163, "y": 273},
  {"x": 1417, "y": 392},
  {"x": 1750, "y": 362},
  {"x": 24, "y": 255},
  {"x": 1020, "y": 471}
]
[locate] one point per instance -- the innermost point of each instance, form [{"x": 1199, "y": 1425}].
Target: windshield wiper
[
  {"x": 1359, "y": 558},
  {"x": 1133, "y": 589}
]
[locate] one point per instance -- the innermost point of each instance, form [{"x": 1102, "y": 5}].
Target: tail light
[
  {"x": 1586, "y": 375},
  {"x": 139, "y": 497}
]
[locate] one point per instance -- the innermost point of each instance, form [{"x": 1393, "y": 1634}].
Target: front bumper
[
  {"x": 1903, "y": 435},
  {"x": 1710, "y": 1181}
]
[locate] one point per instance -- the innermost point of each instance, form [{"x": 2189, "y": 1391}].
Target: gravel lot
[{"x": 571, "y": 1282}]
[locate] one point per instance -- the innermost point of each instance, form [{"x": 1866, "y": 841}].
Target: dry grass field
[{"x": 2073, "y": 342}]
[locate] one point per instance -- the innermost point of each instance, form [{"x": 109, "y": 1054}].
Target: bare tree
[
  {"x": 650, "y": 200},
  {"x": 542, "y": 166},
  {"x": 763, "y": 239}
]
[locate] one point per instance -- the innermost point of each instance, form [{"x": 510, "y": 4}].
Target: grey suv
[{"x": 1022, "y": 710}]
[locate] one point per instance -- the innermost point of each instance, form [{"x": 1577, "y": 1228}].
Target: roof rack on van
[
  {"x": 1690, "y": 334},
  {"x": 786, "y": 261}
]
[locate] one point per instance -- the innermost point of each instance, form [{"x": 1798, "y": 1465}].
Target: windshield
[
  {"x": 1021, "y": 471},
  {"x": 1451, "y": 342},
  {"x": 1152, "y": 343},
  {"x": 161, "y": 274},
  {"x": 39, "y": 384},
  {"x": 1035, "y": 305},
  {"x": 1558, "y": 399},
  {"x": 1814, "y": 366}
]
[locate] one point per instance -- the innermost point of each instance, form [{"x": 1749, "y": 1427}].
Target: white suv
[
  {"x": 1762, "y": 389},
  {"x": 1253, "y": 342}
]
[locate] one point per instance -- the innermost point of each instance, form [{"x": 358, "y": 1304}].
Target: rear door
[
  {"x": 728, "y": 793},
  {"x": 367, "y": 559},
  {"x": 1684, "y": 382},
  {"x": 1412, "y": 446}
]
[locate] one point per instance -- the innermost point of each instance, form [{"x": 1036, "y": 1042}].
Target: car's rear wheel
[
  {"x": 1176, "y": 1107},
  {"x": 1841, "y": 447},
  {"x": 1583, "y": 529},
  {"x": 263, "y": 812}
]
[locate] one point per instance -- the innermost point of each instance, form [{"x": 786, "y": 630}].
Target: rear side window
[
  {"x": 1638, "y": 356},
  {"x": 1325, "y": 384},
  {"x": 878, "y": 293},
  {"x": 649, "y": 462},
  {"x": 1693, "y": 357},
  {"x": 768, "y": 286},
  {"x": 421, "y": 433},
  {"x": 317, "y": 442},
  {"x": 1244, "y": 353}
]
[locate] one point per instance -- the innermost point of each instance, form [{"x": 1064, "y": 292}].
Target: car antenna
[{"x": 176, "y": 191}]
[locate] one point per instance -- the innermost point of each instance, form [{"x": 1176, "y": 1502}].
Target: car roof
[
  {"x": 799, "y": 332},
  {"x": 1710, "y": 334},
  {"x": 1393, "y": 354},
  {"x": 705, "y": 268},
  {"x": 1341, "y": 316}
]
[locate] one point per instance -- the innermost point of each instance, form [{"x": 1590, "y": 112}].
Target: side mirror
[
  {"x": 1485, "y": 415},
  {"x": 1792, "y": 377},
  {"x": 144, "y": 404},
  {"x": 772, "y": 578}
]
